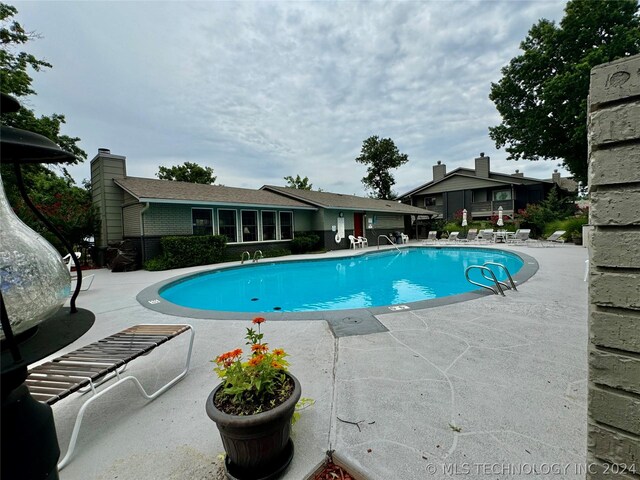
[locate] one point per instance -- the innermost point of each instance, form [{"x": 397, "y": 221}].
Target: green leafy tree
[
  {"x": 542, "y": 95},
  {"x": 16, "y": 81},
  {"x": 299, "y": 183},
  {"x": 381, "y": 155},
  {"x": 187, "y": 172},
  {"x": 66, "y": 205}
]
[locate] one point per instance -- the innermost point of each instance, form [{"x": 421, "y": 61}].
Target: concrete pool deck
[{"x": 489, "y": 388}]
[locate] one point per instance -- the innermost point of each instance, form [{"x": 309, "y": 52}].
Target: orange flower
[
  {"x": 228, "y": 357},
  {"x": 255, "y": 361},
  {"x": 278, "y": 352},
  {"x": 259, "y": 347},
  {"x": 275, "y": 364},
  {"x": 259, "y": 320}
]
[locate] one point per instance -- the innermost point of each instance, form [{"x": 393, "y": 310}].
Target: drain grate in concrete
[{"x": 355, "y": 325}]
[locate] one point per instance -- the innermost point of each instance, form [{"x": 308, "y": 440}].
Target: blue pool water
[{"x": 371, "y": 280}]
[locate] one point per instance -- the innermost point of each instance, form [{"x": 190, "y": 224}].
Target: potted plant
[{"x": 253, "y": 408}]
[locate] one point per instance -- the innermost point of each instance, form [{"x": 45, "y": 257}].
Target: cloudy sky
[{"x": 261, "y": 90}]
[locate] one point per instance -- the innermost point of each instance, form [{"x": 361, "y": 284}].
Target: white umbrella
[
  {"x": 500, "y": 221},
  {"x": 464, "y": 217}
]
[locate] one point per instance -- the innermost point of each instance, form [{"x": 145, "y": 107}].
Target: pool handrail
[
  {"x": 390, "y": 241},
  {"x": 485, "y": 269}
]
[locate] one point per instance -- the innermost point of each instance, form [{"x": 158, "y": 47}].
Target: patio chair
[
  {"x": 520, "y": 237},
  {"x": 472, "y": 234},
  {"x": 486, "y": 235},
  {"x": 431, "y": 237},
  {"x": 364, "y": 242},
  {"x": 405, "y": 238},
  {"x": 87, "y": 280},
  {"x": 453, "y": 237},
  {"x": 551, "y": 240},
  {"x": 354, "y": 242}
]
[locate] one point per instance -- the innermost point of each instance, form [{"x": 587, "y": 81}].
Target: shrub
[
  {"x": 571, "y": 225},
  {"x": 305, "y": 242},
  {"x": 179, "y": 252}
]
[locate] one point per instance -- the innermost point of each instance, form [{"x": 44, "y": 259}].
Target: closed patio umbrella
[
  {"x": 500, "y": 221},
  {"x": 464, "y": 217}
]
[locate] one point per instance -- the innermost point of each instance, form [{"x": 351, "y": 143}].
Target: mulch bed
[{"x": 331, "y": 471}]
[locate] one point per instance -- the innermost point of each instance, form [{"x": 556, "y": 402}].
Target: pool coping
[{"x": 357, "y": 321}]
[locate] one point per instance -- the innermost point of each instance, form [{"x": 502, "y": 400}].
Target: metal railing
[
  {"x": 498, "y": 290},
  {"x": 242, "y": 257},
  {"x": 390, "y": 241},
  {"x": 512, "y": 285},
  {"x": 257, "y": 255}
]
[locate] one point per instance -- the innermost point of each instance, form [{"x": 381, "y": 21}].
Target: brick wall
[{"x": 614, "y": 280}]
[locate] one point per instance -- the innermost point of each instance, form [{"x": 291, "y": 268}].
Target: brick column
[{"x": 614, "y": 280}]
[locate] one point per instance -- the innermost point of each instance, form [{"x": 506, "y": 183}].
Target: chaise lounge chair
[
  {"x": 453, "y": 237},
  {"x": 472, "y": 234},
  {"x": 521, "y": 236},
  {"x": 551, "y": 240},
  {"x": 431, "y": 237}
]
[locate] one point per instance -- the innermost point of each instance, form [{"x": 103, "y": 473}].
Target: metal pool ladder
[
  {"x": 257, "y": 255},
  {"x": 498, "y": 290},
  {"x": 242, "y": 257},
  {"x": 390, "y": 241}
]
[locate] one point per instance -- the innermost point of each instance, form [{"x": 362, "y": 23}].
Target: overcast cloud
[{"x": 263, "y": 90}]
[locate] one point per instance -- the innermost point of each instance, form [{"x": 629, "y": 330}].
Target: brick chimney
[
  {"x": 555, "y": 178},
  {"x": 439, "y": 171},
  {"x": 108, "y": 197},
  {"x": 482, "y": 166},
  {"x": 517, "y": 174}
]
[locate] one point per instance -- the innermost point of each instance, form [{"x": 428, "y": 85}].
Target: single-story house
[
  {"x": 481, "y": 191},
  {"x": 145, "y": 209}
]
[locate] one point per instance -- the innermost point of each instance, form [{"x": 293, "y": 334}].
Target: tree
[
  {"x": 542, "y": 95},
  {"x": 16, "y": 81},
  {"x": 381, "y": 155},
  {"x": 188, "y": 172},
  {"x": 299, "y": 183},
  {"x": 66, "y": 205}
]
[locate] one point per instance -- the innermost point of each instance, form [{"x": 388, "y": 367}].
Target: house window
[
  {"x": 429, "y": 201},
  {"x": 478, "y": 196},
  {"x": 286, "y": 225},
  {"x": 249, "y": 226},
  {"x": 202, "y": 221},
  {"x": 501, "y": 195},
  {"x": 227, "y": 225},
  {"x": 268, "y": 225}
]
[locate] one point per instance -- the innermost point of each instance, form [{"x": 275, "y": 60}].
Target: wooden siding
[
  {"x": 457, "y": 182},
  {"x": 131, "y": 220}
]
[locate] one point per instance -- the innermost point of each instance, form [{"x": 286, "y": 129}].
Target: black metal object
[{"x": 28, "y": 436}]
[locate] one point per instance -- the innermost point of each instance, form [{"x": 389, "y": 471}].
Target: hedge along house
[
  {"x": 339, "y": 215},
  {"x": 481, "y": 191},
  {"x": 144, "y": 210}
]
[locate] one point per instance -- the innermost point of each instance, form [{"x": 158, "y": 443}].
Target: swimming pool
[{"x": 360, "y": 281}]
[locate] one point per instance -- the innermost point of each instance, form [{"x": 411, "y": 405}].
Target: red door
[{"x": 357, "y": 225}]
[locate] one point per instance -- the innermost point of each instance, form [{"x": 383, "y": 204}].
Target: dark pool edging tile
[{"x": 360, "y": 321}]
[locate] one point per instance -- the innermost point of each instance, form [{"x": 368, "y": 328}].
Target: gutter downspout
[{"x": 144, "y": 209}]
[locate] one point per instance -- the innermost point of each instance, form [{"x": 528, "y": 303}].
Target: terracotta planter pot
[{"x": 256, "y": 445}]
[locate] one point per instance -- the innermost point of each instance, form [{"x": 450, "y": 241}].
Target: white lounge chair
[
  {"x": 472, "y": 234},
  {"x": 354, "y": 242},
  {"x": 431, "y": 237},
  {"x": 453, "y": 237},
  {"x": 520, "y": 237},
  {"x": 486, "y": 235},
  {"x": 551, "y": 240}
]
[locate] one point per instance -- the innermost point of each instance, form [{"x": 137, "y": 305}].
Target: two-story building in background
[{"x": 482, "y": 192}]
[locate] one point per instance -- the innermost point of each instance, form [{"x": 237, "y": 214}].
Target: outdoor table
[{"x": 500, "y": 236}]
